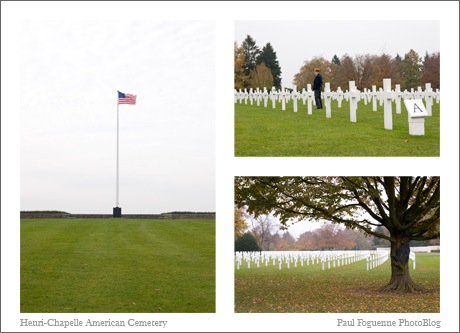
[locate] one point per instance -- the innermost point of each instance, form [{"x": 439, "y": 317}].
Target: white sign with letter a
[
  {"x": 415, "y": 108},
  {"x": 417, "y": 113}
]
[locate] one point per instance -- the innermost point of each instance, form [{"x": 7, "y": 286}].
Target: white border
[{"x": 224, "y": 14}]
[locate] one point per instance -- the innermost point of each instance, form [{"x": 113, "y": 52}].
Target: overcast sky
[
  {"x": 297, "y": 41},
  {"x": 70, "y": 74}
]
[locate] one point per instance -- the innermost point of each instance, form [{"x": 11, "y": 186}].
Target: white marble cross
[
  {"x": 398, "y": 96},
  {"x": 240, "y": 96},
  {"x": 428, "y": 98},
  {"x": 273, "y": 97},
  {"x": 295, "y": 97},
  {"x": 339, "y": 97},
  {"x": 365, "y": 96},
  {"x": 327, "y": 99},
  {"x": 387, "y": 97},
  {"x": 310, "y": 96},
  {"x": 257, "y": 96},
  {"x": 265, "y": 96},
  {"x": 374, "y": 98},
  {"x": 353, "y": 97},
  {"x": 303, "y": 96},
  {"x": 251, "y": 96},
  {"x": 283, "y": 99}
]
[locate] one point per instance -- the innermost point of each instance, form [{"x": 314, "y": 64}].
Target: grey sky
[
  {"x": 297, "y": 41},
  {"x": 70, "y": 74}
]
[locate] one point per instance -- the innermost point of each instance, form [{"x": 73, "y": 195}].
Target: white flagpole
[{"x": 118, "y": 104}]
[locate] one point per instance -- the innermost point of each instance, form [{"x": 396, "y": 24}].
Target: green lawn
[
  {"x": 261, "y": 131},
  {"x": 117, "y": 265},
  {"x": 344, "y": 289}
]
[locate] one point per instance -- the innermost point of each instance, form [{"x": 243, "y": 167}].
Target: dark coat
[{"x": 318, "y": 82}]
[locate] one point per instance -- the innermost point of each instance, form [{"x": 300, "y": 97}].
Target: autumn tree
[
  {"x": 365, "y": 71},
  {"x": 396, "y": 69},
  {"x": 306, "y": 76},
  {"x": 268, "y": 57},
  {"x": 382, "y": 69},
  {"x": 344, "y": 73},
  {"x": 407, "y": 207},
  {"x": 431, "y": 70},
  {"x": 240, "y": 222},
  {"x": 240, "y": 76},
  {"x": 287, "y": 242},
  {"x": 261, "y": 77}
]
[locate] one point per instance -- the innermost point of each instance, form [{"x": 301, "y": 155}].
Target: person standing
[{"x": 317, "y": 87}]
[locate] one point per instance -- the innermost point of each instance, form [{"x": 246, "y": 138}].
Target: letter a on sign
[{"x": 415, "y": 108}]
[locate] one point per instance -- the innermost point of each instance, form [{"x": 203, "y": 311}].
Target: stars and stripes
[{"x": 126, "y": 98}]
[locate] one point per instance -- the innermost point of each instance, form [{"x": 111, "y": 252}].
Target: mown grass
[
  {"x": 261, "y": 131},
  {"x": 344, "y": 289},
  {"x": 117, "y": 265}
]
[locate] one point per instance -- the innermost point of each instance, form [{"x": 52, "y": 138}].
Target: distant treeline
[{"x": 256, "y": 68}]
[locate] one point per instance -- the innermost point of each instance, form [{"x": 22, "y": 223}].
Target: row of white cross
[
  {"x": 283, "y": 96},
  {"x": 305, "y": 258},
  {"x": 413, "y": 101}
]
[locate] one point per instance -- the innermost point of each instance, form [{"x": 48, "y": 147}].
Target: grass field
[
  {"x": 117, "y": 265},
  {"x": 344, "y": 289},
  {"x": 261, "y": 131}
]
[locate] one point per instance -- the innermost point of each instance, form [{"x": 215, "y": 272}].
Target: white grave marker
[
  {"x": 398, "y": 96},
  {"x": 374, "y": 98},
  {"x": 339, "y": 97},
  {"x": 387, "y": 96},
  {"x": 283, "y": 99},
  {"x": 273, "y": 96},
  {"x": 265, "y": 96},
  {"x": 327, "y": 99},
  {"x": 428, "y": 98},
  {"x": 417, "y": 113},
  {"x": 304, "y": 96},
  {"x": 353, "y": 95},
  {"x": 309, "y": 97},
  {"x": 295, "y": 97}
]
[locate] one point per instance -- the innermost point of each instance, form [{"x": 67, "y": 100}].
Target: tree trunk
[{"x": 400, "y": 276}]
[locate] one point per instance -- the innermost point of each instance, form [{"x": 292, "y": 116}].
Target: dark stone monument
[{"x": 116, "y": 211}]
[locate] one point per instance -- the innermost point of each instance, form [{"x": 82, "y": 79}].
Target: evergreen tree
[
  {"x": 411, "y": 70},
  {"x": 335, "y": 60},
  {"x": 251, "y": 52},
  {"x": 247, "y": 242},
  {"x": 269, "y": 58}
]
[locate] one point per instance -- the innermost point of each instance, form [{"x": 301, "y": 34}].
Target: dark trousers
[{"x": 319, "y": 104}]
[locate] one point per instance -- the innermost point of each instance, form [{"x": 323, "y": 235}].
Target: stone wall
[{"x": 26, "y": 215}]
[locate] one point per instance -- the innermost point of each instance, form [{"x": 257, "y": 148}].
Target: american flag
[{"x": 126, "y": 98}]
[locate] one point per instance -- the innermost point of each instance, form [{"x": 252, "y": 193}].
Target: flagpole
[
  {"x": 123, "y": 99},
  {"x": 118, "y": 105},
  {"x": 116, "y": 209}
]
